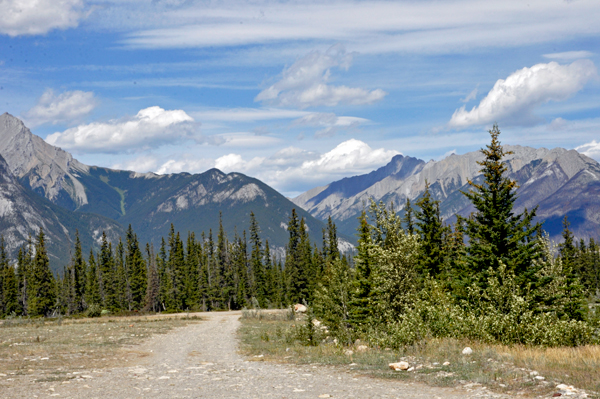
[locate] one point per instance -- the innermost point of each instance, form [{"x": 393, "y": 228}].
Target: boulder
[{"x": 399, "y": 366}]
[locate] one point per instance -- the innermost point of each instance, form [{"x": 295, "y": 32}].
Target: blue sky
[{"x": 298, "y": 94}]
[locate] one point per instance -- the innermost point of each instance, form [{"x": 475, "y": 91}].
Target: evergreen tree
[
  {"x": 153, "y": 286},
  {"x": 92, "y": 287},
  {"x": 362, "y": 287},
  {"x": 136, "y": 267},
  {"x": 79, "y": 278},
  {"x": 571, "y": 289},
  {"x": 496, "y": 234},
  {"x": 431, "y": 230},
  {"x": 10, "y": 292},
  {"x": 106, "y": 267},
  {"x": 408, "y": 217},
  {"x": 41, "y": 289},
  {"x": 260, "y": 281}
]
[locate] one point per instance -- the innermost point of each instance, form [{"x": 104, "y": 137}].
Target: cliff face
[{"x": 562, "y": 182}]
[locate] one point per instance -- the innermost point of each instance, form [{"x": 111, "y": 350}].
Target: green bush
[{"x": 94, "y": 310}]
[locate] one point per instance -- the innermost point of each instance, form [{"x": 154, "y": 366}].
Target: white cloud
[
  {"x": 591, "y": 149},
  {"x": 471, "y": 96},
  {"x": 569, "y": 55},
  {"x": 513, "y": 100},
  {"x": 329, "y": 123},
  {"x": 246, "y": 114},
  {"x": 304, "y": 83},
  {"x": 37, "y": 17},
  {"x": 149, "y": 128},
  {"x": 292, "y": 168},
  {"x": 188, "y": 164},
  {"x": 67, "y": 107},
  {"x": 405, "y": 26},
  {"x": 142, "y": 164}
]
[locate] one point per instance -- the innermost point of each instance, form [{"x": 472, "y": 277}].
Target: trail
[{"x": 201, "y": 361}]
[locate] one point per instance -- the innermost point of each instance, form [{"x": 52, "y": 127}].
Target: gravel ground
[{"x": 201, "y": 361}]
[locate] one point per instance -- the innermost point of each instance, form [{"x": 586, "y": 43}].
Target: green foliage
[
  {"x": 497, "y": 235},
  {"x": 41, "y": 287}
]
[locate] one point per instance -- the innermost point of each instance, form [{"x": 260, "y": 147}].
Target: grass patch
[
  {"x": 55, "y": 346},
  {"x": 440, "y": 362}
]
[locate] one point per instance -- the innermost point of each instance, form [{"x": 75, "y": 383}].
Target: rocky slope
[
  {"x": 149, "y": 202},
  {"x": 562, "y": 182},
  {"x": 23, "y": 213}
]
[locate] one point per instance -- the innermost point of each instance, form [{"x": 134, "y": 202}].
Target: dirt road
[{"x": 201, "y": 361}]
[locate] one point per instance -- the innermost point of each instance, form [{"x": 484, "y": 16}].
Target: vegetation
[{"x": 493, "y": 277}]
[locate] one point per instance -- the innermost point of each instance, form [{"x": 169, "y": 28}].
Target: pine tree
[
  {"x": 571, "y": 289},
  {"x": 11, "y": 300},
  {"x": 153, "y": 287},
  {"x": 41, "y": 289},
  {"x": 106, "y": 267},
  {"x": 408, "y": 217},
  {"x": 431, "y": 229},
  {"x": 136, "y": 267},
  {"x": 260, "y": 281},
  {"x": 362, "y": 287},
  {"x": 79, "y": 278},
  {"x": 92, "y": 287},
  {"x": 496, "y": 234}
]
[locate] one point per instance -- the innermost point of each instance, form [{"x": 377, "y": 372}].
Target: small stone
[
  {"x": 556, "y": 394},
  {"x": 399, "y": 366},
  {"x": 362, "y": 348},
  {"x": 411, "y": 369},
  {"x": 534, "y": 373},
  {"x": 446, "y": 364},
  {"x": 539, "y": 378},
  {"x": 86, "y": 376},
  {"x": 348, "y": 352},
  {"x": 325, "y": 395},
  {"x": 467, "y": 351},
  {"x": 299, "y": 308}
]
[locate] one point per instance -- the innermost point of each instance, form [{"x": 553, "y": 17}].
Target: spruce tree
[
  {"x": 408, "y": 217},
  {"x": 431, "y": 230},
  {"x": 496, "y": 235},
  {"x": 362, "y": 286},
  {"x": 136, "y": 267},
  {"x": 260, "y": 280},
  {"x": 153, "y": 286},
  {"x": 3, "y": 267},
  {"x": 92, "y": 287},
  {"x": 79, "y": 277},
  {"x": 11, "y": 300},
  {"x": 41, "y": 289}
]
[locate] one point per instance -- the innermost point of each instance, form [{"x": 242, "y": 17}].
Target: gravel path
[{"x": 201, "y": 361}]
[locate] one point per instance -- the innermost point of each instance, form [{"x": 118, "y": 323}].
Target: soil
[{"x": 201, "y": 361}]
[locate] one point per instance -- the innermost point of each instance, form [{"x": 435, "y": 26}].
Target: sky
[{"x": 299, "y": 94}]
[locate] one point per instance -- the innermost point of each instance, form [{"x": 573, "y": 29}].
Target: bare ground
[{"x": 201, "y": 361}]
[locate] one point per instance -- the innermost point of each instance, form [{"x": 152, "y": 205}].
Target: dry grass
[
  {"x": 52, "y": 348},
  {"x": 500, "y": 368}
]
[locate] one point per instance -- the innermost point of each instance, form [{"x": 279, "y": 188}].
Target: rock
[
  {"x": 411, "y": 369},
  {"x": 446, "y": 364},
  {"x": 325, "y": 395},
  {"x": 467, "y": 351},
  {"x": 539, "y": 378},
  {"x": 316, "y": 323},
  {"x": 399, "y": 366},
  {"x": 348, "y": 352},
  {"x": 534, "y": 373},
  {"x": 299, "y": 308},
  {"x": 362, "y": 348}
]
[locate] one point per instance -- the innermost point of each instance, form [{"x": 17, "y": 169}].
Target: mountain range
[
  {"x": 44, "y": 186},
  {"x": 562, "y": 182}
]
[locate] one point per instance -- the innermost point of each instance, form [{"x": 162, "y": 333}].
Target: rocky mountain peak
[{"x": 38, "y": 164}]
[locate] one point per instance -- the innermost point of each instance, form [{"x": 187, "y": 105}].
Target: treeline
[
  {"x": 493, "y": 276},
  {"x": 209, "y": 273}
]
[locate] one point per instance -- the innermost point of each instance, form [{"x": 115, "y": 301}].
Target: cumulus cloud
[
  {"x": 294, "y": 168},
  {"x": 591, "y": 149},
  {"x": 513, "y": 100},
  {"x": 149, "y": 128},
  {"x": 37, "y": 17},
  {"x": 67, "y": 107},
  {"x": 305, "y": 83},
  {"x": 471, "y": 96}
]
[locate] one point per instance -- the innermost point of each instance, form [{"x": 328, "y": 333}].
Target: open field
[
  {"x": 510, "y": 370},
  {"x": 49, "y": 349}
]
